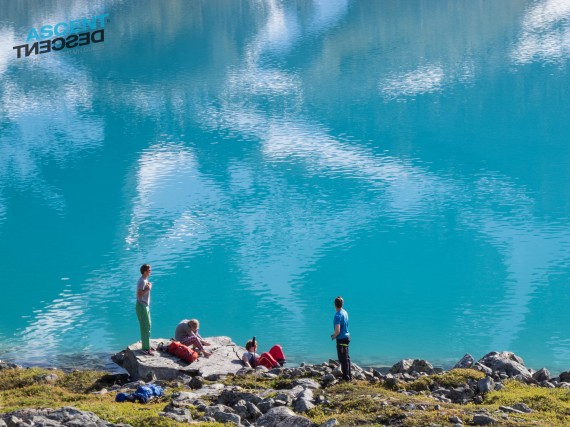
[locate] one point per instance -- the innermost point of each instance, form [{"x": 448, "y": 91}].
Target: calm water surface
[{"x": 266, "y": 156}]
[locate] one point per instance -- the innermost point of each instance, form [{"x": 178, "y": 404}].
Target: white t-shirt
[
  {"x": 142, "y": 284},
  {"x": 251, "y": 357}
]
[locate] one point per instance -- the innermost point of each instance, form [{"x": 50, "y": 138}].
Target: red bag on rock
[{"x": 182, "y": 351}]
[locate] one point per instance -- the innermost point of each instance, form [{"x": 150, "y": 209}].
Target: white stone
[{"x": 225, "y": 359}]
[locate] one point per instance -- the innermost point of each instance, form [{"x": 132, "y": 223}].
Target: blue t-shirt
[{"x": 341, "y": 318}]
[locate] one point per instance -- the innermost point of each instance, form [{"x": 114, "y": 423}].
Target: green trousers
[{"x": 143, "y": 313}]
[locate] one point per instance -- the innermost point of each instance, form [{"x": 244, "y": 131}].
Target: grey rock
[
  {"x": 266, "y": 404},
  {"x": 329, "y": 379},
  {"x": 307, "y": 383},
  {"x": 541, "y": 375},
  {"x": 285, "y": 397},
  {"x": 460, "y": 394},
  {"x": 337, "y": 372},
  {"x": 225, "y": 417},
  {"x": 269, "y": 375},
  {"x": 46, "y": 422},
  {"x": 200, "y": 405},
  {"x": 212, "y": 410},
  {"x": 283, "y": 417},
  {"x": 296, "y": 372},
  {"x": 409, "y": 366},
  {"x": 483, "y": 420},
  {"x": 14, "y": 421},
  {"x": 487, "y": 371},
  {"x": 391, "y": 381},
  {"x": 66, "y": 416},
  {"x": 306, "y": 394},
  {"x": 261, "y": 370},
  {"x": 196, "y": 382},
  {"x": 230, "y": 396},
  {"x": 455, "y": 420},
  {"x": 510, "y": 410},
  {"x": 182, "y": 398},
  {"x": 465, "y": 362},
  {"x": 254, "y": 412},
  {"x": 164, "y": 366},
  {"x": 303, "y": 405},
  {"x": 523, "y": 407},
  {"x": 6, "y": 365},
  {"x": 247, "y": 411},
  {"x": 333, "y": 422},
  {"x": 187, "y": 397},
  {"x": 565, "y": 377},
  {"x": 182, "y": 415},
  {"x": 377, "y": 374},
  {"x": 547, "y": 384},
  {"x": 507, "y": 363},
  {"x": 485, "y": 385},
  {"x": 49, "y": 378}
]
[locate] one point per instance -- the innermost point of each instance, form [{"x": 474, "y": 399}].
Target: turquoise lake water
[{"x": 267, "y": 156}]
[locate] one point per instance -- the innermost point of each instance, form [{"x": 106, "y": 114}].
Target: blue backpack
[{"x": 143, "y": 394}]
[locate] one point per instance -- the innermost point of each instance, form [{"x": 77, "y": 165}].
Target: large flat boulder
[{"x": 225, "y": 359}]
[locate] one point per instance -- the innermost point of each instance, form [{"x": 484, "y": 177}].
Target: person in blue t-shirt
[{"x": 342, "y": 336}]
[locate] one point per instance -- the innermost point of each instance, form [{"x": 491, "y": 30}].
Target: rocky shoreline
[{"x": 228, "y": 393}]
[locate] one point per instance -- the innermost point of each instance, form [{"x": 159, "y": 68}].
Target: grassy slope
[{"x": 358, "y": 403}]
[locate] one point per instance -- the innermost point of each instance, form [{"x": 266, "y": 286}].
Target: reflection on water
[
  {"x": 545, "y": 33},
  {"x": 175, "y": 198},
  {"x": 276, "y": 166},
  {"x": 47, "y": 115},
  {"x": 422, "y": 80}
]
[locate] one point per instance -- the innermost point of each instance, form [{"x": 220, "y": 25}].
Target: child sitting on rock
[
  {"x": 187, "y": 334},
  {"x": 271, "y": 359},
  {"x": 250, "y": 357}
]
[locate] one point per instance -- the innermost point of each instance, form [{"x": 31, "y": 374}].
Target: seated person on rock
[
  {"x": 250, "y": 357},
  {"x": 187, "y": 333},
  {"x": 271, "y": 359}
]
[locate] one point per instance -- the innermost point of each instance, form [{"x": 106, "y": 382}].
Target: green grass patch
[
  {"x": 537, "y": 398},
  {"x": 454, "y": 378},
  {"x": 250, "y": 382},
  {"x": 17, "y": 378}
]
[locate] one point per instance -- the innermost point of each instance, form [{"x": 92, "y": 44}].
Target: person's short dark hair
[
  {"x": 145, "y": 267},
  {"x": 250, "y": 344},
  {"x": 338, "y": 302}
]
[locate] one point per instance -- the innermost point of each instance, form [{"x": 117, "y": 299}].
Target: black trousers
[{"x": 344, "y": 358}]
